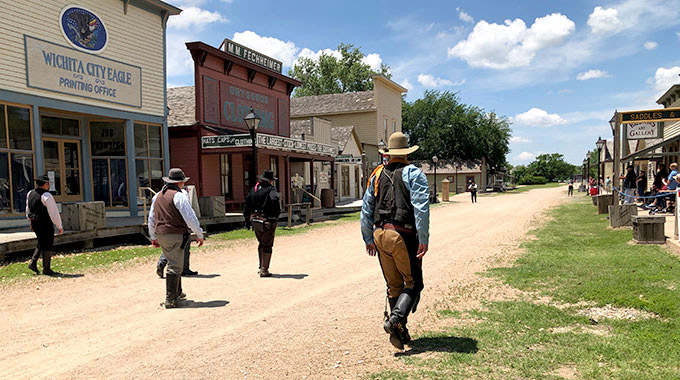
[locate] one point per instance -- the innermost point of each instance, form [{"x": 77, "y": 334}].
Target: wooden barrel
[{"x": 327, "y": 198}]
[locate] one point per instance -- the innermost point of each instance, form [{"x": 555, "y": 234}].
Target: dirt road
[{"x": 320, "y": 318}]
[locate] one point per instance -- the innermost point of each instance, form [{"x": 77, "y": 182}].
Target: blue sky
[{"x": 558, "y": 69}]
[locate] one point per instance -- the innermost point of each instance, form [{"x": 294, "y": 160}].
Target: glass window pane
[
  {"x": 119, "y": 183},
  {"x": 22, "y": 180},
  {"x": 71, "y": 155},
  {"x": 107, "y": 138},
  {"x": 19, "y": 127},
  {"x": 142, "y": 173},
  {"x": 50, "y": 125},
  {"x": 4, "y": 185},
  {"x": 140, "y": 140},
  {"x": 156, "y": 174},
  {"x": 70, "y": 127},
  {"x": 155, "y": 141},
  {"x": 51, "y": 163},
  {"x": 72, "y": 181},
  {"x": 3, "y": 130},
  {"x": 100, "y": 179}
]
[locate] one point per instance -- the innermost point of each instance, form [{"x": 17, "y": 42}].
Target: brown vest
[{"x": 168, "y": 218}]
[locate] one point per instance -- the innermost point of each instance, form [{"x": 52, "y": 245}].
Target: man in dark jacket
[
  {"x": 41, "y": 210},
  {"x": 262, "y": 214}
]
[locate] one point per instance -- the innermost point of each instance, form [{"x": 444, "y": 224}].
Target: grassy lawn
[
  {"x": 524, "y": 188},
  {"x": 77, "y": 262},
  {"x": 574, "y": 259}
]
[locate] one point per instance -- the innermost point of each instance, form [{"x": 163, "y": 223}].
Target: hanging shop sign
[
  {"x": 347, "y": 159},
  {"x": 83, "y": 29},
  {"x": 252, "y": 56},
  {"x": 666, "y": 114},
  {"x": 641, "y": 131},
  {"x": 65, "y": 70},
  {"x": 268, "y": 141}
]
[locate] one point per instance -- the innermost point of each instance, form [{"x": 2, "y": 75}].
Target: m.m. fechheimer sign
[
  {"x": 268, "y": 141},
  {"x": 251, "y": 55},
  {"x": 66, "y": 70},
  {"x": 640, "y": 131}
]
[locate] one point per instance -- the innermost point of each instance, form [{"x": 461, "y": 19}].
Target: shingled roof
[
  {"x": 342, "y": 135},
  {"x": 298, "y": 127},
  {"x": 182, "y": 106},
  {"x": 332, "y": 103}
]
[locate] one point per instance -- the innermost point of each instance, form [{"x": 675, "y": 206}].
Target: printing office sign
[
  {"x": 641, "y": 131},
  {"x": 65, "y": 70},
  {"x": 268, "y": 141}
]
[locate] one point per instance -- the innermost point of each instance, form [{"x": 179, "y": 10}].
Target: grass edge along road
[
  {"x": 572, "y": 281},
  {"x": 101, "y": 259}
]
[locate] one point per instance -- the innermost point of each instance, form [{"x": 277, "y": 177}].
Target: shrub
[{"x": 532, "y": 180}]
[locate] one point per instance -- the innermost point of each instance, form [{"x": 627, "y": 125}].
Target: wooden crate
[
  {"x": 212, "y": 206},
  {"x": 649, "y": 229},
  {"x": 83, "y": 216}
]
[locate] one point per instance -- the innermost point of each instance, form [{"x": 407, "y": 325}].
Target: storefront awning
[{"x": 643, "y": 152}]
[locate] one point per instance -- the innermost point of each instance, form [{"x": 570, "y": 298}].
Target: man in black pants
[
  {"x": 262, "y": 214},
  {"x": 473, "y": 191},
  {"x": 41, "y": 210}
]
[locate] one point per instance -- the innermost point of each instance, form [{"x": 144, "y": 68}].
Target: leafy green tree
[
  {"x": 330, "y": 75},
  {"x": 552, "y": 167},
  {"x": 443, "y": 126}
]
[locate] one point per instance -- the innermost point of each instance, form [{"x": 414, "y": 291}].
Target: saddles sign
[
  {"x": 666, "y": 114},
  {"x": 641, "y": 131}
]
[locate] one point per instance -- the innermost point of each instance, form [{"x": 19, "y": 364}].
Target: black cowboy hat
[
  {"x": 42, "y": 179},
  {"x": 268, "y": 175},
  {"x": 175, "y": 175}
]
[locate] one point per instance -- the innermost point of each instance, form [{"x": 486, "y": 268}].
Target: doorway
[{"x": 62, "y": 162}]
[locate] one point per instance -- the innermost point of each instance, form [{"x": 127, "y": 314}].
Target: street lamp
[
  {"x": 584, "y": 172},
  {"x": 253, "y": 121},
  {"x": 435, "y": 159},
  {"x": 588, "y": 172},
  {"x": 381, "y": 148},
  {"x": 599, "y": 144}
]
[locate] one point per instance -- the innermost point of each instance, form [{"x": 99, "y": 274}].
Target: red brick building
[{"x": 209, "y": 139}]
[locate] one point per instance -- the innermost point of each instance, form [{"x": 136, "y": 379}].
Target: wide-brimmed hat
[
  {"x": 398, "y": 145},
  {"x": 175, "y": 175},
  {"x": 268, "y": 175},
  {"x": 43, "y": 178}
]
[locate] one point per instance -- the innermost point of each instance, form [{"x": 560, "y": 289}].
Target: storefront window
[
  {"x": 119, "y": 196},
  {"x": 5, "y": 188},
  {"x": 100, "y": 176},
  {"x": 149, "y": 162},
  {"x": 16, "y": 158},
  {"x": 59, "y": 126},
  {"x": 22, "y": 180},
  {"x": 3, "y": 129},
  {"x": 107, "y": 138},
  {"x": 225, "y": 178},
  {"x": 109, "y": 173},
  {"x": 19, "y": 128}
]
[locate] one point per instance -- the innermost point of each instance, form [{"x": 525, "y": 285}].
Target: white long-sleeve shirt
[
  {"x": 181, "y": 201},
  {"x": 48, "y": 200}
]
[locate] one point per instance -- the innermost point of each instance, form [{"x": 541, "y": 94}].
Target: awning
[{"x": 648, "y": 149}]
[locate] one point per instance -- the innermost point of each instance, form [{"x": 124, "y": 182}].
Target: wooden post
[
  {"x": 290, "y": 215},
  {"x": 617, "y": 163},
  {"x": 308, "y": 219}
]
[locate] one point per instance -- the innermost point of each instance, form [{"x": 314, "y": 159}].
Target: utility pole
[{"x": 617, "y": 163}]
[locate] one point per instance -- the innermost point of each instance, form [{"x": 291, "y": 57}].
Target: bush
[{"x": 532, "y": 180}]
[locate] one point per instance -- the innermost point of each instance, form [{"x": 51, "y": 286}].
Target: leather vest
[{"x": 37, "y": 211}]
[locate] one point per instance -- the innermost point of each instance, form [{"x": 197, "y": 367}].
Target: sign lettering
[
  {"x": 665, "y": 114},
  {"x": 640, "y": 131},
  {"x": 252, "y": 56},
  {"x": 268, "y": 141}
]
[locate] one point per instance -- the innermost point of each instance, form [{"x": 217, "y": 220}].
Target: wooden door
[{"x": 62, "y": 159}]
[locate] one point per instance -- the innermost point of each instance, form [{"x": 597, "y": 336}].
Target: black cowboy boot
[
  {"x": 264, "y": 269},
  {"x": 34, "y": 261},
  {"x": 171, "y": 288},
  {"x": 396, "y": 322},
  {"x": 186, "y": 271},
  {"x": 180, "y": 293},
  {"x": 47, "y": 261}
]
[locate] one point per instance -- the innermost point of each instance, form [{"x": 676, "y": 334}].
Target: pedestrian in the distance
[
  {"x": 395, "y": 222},
  {"x": 42, "y": 212},
  {"x": 171, "y": 220},
  {"x": 262, "y": 214},
  {"x": 641, "y": 182},
  {"x": 472, "y": 187},
  {"x": 629, "y": 185},
  {"x": 570, "y": 190},
  {"x": 608, "y": 184}
]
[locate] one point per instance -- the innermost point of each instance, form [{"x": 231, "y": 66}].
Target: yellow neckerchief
[{"x": 376, "y": 173}]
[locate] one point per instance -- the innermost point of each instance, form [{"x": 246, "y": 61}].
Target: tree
[
  {"x": 330, "y": 75},
  {"x": 441, "y": 125},
  {"x": 552, "y": 167}
]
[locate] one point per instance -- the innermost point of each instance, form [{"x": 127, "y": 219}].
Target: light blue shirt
[
  {"x": 181, "y": 201},
  {"x": 672, "y": 184},
  {"x": 416, "y": 183}
]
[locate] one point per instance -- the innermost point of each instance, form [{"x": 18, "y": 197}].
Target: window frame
[
  {"x": 11, "y": 151},
  {"x": 108, "y": 163},
  {"x": 228, "y": 175}
]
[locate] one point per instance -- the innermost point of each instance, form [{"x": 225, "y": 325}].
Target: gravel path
[{"x": 319, "y": 318}]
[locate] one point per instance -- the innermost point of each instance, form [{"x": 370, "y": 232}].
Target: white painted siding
[{"x": 135, "y": 39}]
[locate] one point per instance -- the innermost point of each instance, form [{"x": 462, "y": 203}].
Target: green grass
[
  {"x": 524, "y": 188},
  {"x": 574, "y": 258},
  {"x": 76, "y": 263}
]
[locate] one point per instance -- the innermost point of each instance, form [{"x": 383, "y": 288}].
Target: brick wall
[
  {"x": 212, "y": 185},
  {"x": 183, "y": 155}
]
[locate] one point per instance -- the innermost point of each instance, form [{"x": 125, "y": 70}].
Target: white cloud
[
  {"x": 677, "y": 34},
  {"x": 464, "y": 16},
  {"x": 285, "y": 52},
  {"x": 519, "y": 140},
  {"x": 373, "y": 60},
  {"x": 651, "y": 45},
  {"x": 429, "y": 80},
  {"x": 592, "y": 74},
  {"x": 539, "y": 118},
  {"x": 605, "y": 20},
  {"x": 406, "y": 84},
  {"x": 194, "y": 19},
  {"x": 512, "y": 44},
  {"x": 526, "y": 156},
  {"x": 664, "y": 78}
]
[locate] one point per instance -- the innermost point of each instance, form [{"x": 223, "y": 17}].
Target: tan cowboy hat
[{"x": 398, "y": 145}]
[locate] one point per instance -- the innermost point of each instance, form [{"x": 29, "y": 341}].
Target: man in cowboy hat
[
  {"x": 41, "y": 210},
  {"x": 395, "y": 219},
  {"x": 171, "y": 219},
  {"x": 262, "y": 214}
]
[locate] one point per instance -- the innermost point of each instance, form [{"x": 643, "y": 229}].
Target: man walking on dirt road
[
  {"x": 41, "y": 210},
  {"x": 395, "y": 222},
  {"x": 171, "y": 219},
  {"x": 262, "y": 214}
]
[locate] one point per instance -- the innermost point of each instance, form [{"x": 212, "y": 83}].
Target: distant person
[
  {"x": 671, "y": 182},
  {"x": 641, "y": 185},
  {"x": 629, "y": 185},
  {"x": 42, "y": 211},
  {"x": 262, "y": 214},
  {"x": 659, "y": 177},
  {"x": 472, "y": 186},
  {"x": 171, "y": 219},
  {"x": 608, "y": 184},
  {"x": 570, "y": 190}
]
